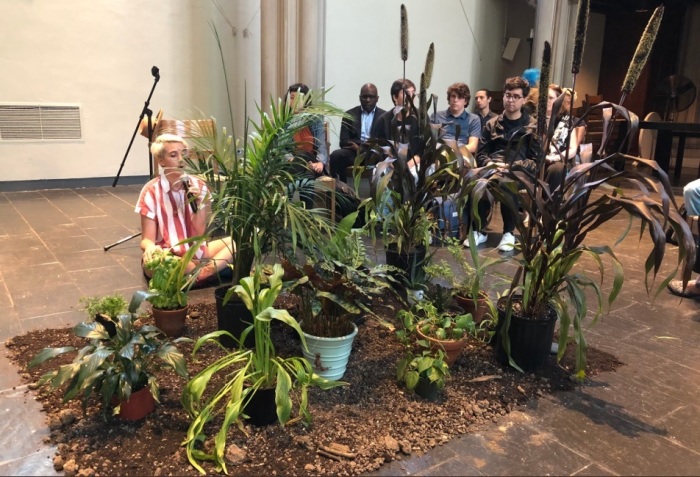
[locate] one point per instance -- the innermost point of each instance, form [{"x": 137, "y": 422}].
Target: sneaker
[
  {"x": 507, "y": 242},
  {"x": 479, "y": 238}
]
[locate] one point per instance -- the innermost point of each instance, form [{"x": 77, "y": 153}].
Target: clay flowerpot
[
  {"x": 171, "y": 322},
  {"x": 452, "y": 348},
  {"x": 477, "y": 309},
  {"x": 139, "y": 405}
]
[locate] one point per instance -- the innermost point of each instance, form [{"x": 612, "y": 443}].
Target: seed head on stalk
[{"x": 646, "y": 42}]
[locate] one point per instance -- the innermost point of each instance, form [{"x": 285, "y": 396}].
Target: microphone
[
  {"x": 189, "y": 195},
  {"x": 155, "y": 72}
]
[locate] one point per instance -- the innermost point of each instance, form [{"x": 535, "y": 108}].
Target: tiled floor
[{"x": 642, "y": 419}]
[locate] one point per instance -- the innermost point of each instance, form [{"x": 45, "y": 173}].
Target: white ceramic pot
[{"x": 329, "y": 356}]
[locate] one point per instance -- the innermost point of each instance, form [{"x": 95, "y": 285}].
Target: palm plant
[{"x": 251, "y": 180}]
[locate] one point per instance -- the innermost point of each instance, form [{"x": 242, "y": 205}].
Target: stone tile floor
[{"x": 640, "y": 420}]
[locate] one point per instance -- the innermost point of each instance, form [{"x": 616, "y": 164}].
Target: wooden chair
[{"x": 185, "y": 128}]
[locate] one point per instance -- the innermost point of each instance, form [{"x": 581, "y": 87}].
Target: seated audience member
[
  {"x": 691, "y": 199},
  {"x": 400, "y": 124},
  {"x": 532, "y": 76},
  {"x": 456, "y": 114},
  {"x": 168, "y": 215},
  {"x": 355, "y": 131},
  {"x": 310, "y": 140},
  {"x": 507, "y": 128},
  {"x": 555, "y": 161},
  {"x": 310, "y": 145},
  {"x": 482, "y": 100}
]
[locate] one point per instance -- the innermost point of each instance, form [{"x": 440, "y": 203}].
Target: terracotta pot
[
  {"x": 477, "y": 309},
  {"x": 139, "y": 405},
  {"x": 452, "y": 348},
  {"x": 171, "y": 322}
]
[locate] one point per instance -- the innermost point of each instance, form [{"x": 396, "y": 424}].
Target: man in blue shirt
[
  {"x": 455, "y": 115},
  {"x": 355, "y": 131}
]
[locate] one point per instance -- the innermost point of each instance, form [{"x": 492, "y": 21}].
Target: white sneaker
[
  {"x": 479, "y": 238},
  {"x": 507, "y": 242}
]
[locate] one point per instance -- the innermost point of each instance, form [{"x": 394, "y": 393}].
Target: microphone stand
[{"x": 144, "y": 112}]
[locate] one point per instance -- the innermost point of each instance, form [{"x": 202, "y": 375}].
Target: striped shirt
[{"x": 171, "y": 213}]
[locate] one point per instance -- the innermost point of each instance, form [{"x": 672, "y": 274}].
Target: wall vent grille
[{"x": 39, "y": 122}]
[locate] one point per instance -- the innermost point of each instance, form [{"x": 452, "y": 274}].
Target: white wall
[
  {"x": 99, "y": 54},
  {"x": 363, "y": 46}
]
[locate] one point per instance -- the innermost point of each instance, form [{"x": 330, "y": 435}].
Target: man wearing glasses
[
  {"x": 355, "y": 131},
  {"x": 507, "y": 129}
]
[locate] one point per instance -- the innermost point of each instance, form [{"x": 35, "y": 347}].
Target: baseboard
[{"x": 24, "y": 186}]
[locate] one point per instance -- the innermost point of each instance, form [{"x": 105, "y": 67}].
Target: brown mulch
[{"x": 373, "y": 417}]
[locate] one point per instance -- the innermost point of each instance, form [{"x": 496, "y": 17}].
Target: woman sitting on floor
[{"x": 173, "y": 208}]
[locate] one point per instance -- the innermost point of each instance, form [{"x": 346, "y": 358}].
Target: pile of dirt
[{"x": 371, "y": 421}]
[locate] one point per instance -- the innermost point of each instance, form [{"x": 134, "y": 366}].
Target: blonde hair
[{"x": 158, "y": 146}]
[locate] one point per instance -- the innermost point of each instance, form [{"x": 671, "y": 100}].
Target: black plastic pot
[
  {"x": 261, "y": 409},
  {"x": 427, "y": 389},
  {"x": 530, "y": 339},
  {"x": 233, "y": 317},
  {"x": 410, "y": 263}
]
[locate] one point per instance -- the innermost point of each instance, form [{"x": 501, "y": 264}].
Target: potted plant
[
  {"x": 168, "y": 287},
  {"x": 253, "y": 383},
  {"x": 421, "y": 369},
  {"x": 401, "y": 195},
  {"x": 105, "y": 309},
  {"x": 424, "y": 372},
  {"x": 336, "y": 287},
  {"x": 121, "y": 369},
  {"x": 550, "y": 284},
  {"x": 250, "y": 180},
  {"x": 445, "y": 330},
  {"x": 469, "y": 290}
]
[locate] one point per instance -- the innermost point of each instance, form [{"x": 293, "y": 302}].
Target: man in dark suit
[{"x": 355, "y": 131}]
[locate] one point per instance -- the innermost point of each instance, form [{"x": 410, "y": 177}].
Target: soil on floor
[{"x": 373, "y": 419}]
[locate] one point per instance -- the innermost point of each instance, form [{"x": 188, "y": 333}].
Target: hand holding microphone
[{"x": 189, "y": 196}]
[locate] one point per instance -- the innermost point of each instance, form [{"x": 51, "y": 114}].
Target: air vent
[{"x": 39, "y": 122}]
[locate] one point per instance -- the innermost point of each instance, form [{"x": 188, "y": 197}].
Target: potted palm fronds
[
  {"x": 250, "y": 181},
  {"x": 550, "y": 283}
]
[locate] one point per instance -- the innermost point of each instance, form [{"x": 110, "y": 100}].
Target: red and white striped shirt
[{"x": 171, "y": 212}]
